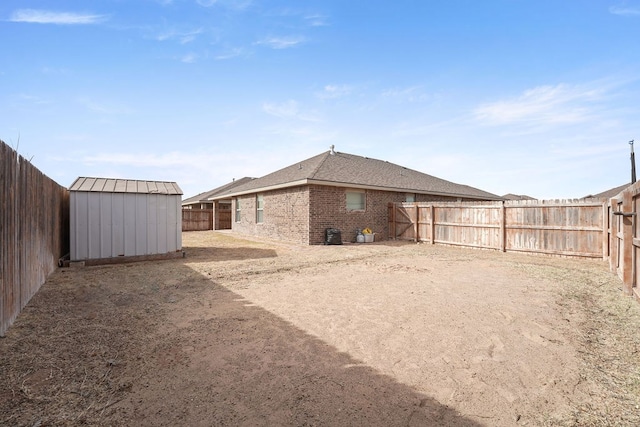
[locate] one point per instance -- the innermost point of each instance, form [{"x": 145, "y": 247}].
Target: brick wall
[
  {"x": 285, "y": 215},
  {"x": 328, "y": 209},
  {"x": 302, "y": 214}
]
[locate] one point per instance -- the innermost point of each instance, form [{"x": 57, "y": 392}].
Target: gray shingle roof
[
  {"x": 511, "y": 196},
  {"x": 204, "y": 197},
  {"x": 356, "y": 171},
  {"x": 608, "y": 193},
  {"x": 117, "y": 185}
]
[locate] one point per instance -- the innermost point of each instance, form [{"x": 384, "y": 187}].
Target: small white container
[
  {"x": 368, "y": 238},
  {"x": 360, "y": 238}
]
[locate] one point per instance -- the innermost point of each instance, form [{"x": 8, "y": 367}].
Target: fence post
[
  {"x": 503, "y": 227},
  {"x": 433, "y": 224},
  {"x": 613, "y": 237},
  {"x": 627, "y": 243},
  {"x": 416, "y": 226},
  {"x": 605, "y": 231}
]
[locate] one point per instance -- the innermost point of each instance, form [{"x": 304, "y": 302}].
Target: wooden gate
[
  {"x": 223, "y": 218},
  {"x": 625, "y": 238}
]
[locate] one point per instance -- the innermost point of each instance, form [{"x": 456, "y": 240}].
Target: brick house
[
  {"x": 221, "y": 208},
  {"x": 334, "y": 190}
]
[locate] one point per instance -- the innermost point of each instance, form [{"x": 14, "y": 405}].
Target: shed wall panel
[
  {"x": 152, "y": 224},
  {"x": 106, "y": 240},
  {"x": 117, "y": 224},
  {"x": 106, "y": 225},
  {"x": 161, "y": 209}
]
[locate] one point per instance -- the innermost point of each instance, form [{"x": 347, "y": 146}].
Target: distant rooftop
[
  {"x": 511, "y": 196},
  {"x": 204, "y": 197},
  {"x": 608, "y": 193}
]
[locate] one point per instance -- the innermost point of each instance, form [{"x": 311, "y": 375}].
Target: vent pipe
[
  {"x": 332, "y": 152},
  {"x": 633, "y": 163}
]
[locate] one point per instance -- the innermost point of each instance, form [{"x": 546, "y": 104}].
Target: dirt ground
[{"x": 255, "y": 332}]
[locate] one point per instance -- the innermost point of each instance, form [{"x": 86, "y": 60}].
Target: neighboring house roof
[
  {"x": 608, "y": 193},
  {"x": 348, "y": 170},
  {"x": 205, "y": 197},
  {"x": 116, "y": 185},
  {"x": 511, "y": 196}
]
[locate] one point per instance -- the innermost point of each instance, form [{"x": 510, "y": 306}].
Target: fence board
[
  {"x": 564, "y": 227},
  {"x": 34, "y": 224},
  {"x": 197, "y": 219}
]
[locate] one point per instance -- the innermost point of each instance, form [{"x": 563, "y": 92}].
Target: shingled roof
[
  {"x": 608, "y": 193},
  {"x": 207, "y": 195},
  {"x": 348, "y": 170}
]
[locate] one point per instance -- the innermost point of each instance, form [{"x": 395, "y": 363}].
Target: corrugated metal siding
[{"x": 112, "y": 224}]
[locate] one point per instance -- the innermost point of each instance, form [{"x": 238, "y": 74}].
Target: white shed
[{"x": 112, "y": 218}]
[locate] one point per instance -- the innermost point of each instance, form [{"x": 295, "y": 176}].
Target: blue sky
[{"x": 510, "y": 96}]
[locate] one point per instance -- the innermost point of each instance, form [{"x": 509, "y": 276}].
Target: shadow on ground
[
  {"x": 159, "y": 344},
  {"x": 227, "y": 254}
]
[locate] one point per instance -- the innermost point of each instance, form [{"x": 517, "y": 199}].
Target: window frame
[
  {"x": 238, "y": 210},
  {"x": 259, "y": 208},
  {"x": 363, "y": 195}
]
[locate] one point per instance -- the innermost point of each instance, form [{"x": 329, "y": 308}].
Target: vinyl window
[
  {"x": 259, "y": 208},
  {"x": 356, "y": 200},
  {"x": 238, "y": 211}
]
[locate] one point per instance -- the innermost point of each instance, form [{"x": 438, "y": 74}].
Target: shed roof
[
  {"x": 348, "y": 170},
  {"x": 117, "y": 185},
  {"x": 206, "y": 196}
]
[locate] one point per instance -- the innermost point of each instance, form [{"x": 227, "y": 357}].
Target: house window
[
  {"x": 355, "y": 200},
  {"x": 259, "y": 208},
  {"x": 237, "y": 210},
  {"x": 410, "y": 198}
]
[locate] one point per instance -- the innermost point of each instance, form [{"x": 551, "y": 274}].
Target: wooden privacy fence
[
  {"x": 558, "y": 227},
  {"x": 625, "y": 238},
  {"x": 197, "y": 219},
  {"x": 34, "y": 230}
]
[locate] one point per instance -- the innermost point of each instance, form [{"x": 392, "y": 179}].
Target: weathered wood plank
[{"x": 33, "y": 231}]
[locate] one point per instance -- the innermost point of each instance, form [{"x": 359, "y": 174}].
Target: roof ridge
[{"x": 313, "y": 173}]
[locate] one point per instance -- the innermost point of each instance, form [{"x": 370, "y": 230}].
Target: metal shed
[{"x": 112, "y": 218}]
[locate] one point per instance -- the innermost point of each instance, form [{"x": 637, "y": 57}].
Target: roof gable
[
  {"x": 342, "y": 169},
  {"x": 206, "y": 196}
]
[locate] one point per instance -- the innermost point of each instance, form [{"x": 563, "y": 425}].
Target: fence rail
[
  {"x": 558, "y": 227},
  {"x": 34, "y": 230}
]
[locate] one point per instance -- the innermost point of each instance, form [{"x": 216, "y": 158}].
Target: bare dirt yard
[{"x": 255, "y": 332}]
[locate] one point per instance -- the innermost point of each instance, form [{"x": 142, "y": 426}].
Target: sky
[{"x": 510, "y": 96}]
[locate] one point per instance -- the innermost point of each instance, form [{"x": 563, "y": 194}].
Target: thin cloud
[
  {"x": 281, "y": 42},
  {"x": 624, "y": 11},
  {"x": 232, "y": 4},
  {"x": 34, "y": 16},
  {"x": 183, "y": 37},
  {"x": 189, "y": 58},
  {"x": 230, "y": 54},
  {"x": 105, "y": 109},
  {"x": 408, "y": 94},
  {"x": 317, "y": 20},
  {"x": 334, "y": 91},
  {"x": 287, "y": 110},
  {"x": 542, "y": 105},
  {"x": 142, "y": 160},
  {"x": 206, "y": 3}
]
